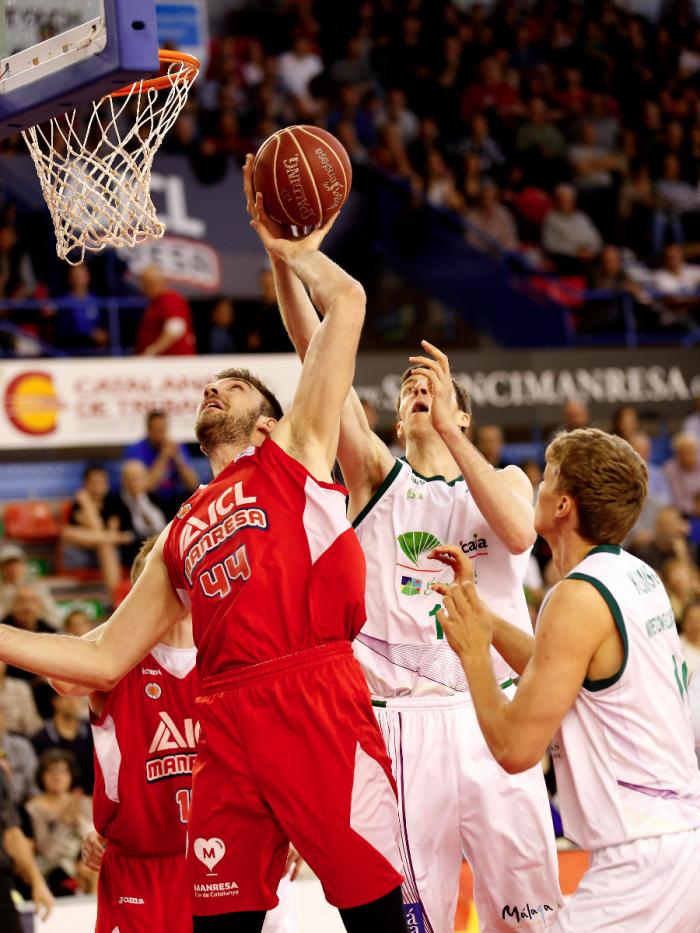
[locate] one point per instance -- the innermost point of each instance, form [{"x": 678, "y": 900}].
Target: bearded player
[
  {"x": 453, "y": 795},
  {"x": 289, "y": 748},
  {"x": 145, "y": 734}
]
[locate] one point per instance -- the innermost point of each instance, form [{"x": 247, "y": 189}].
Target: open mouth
[
  {"x": 420, "y": 406},
  {"x": 212, "y": 403}
]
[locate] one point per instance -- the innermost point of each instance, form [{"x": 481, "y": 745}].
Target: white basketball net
[{"x": 96, "y": 177}]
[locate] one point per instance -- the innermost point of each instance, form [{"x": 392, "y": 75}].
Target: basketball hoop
[{"x": 96, "y": 180}]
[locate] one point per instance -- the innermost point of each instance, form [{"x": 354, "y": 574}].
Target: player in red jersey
[
  {"x": 289, "y": 748},
  {"x": 145, "y": 732}
]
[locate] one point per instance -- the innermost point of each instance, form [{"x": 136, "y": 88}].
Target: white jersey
[
  {"x": 401, "y": 647},
  {"x": 624, "y": 752}
]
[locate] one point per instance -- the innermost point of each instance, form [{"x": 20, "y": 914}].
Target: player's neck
[
  {"x": 220, "y": 457},
  {"x": 430, "y": 456},
  {"x": 179, "y": 635},
  {"x": 568, "y": 550}
]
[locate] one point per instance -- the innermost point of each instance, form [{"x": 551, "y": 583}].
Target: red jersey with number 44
[
  {"x": 269, "y": 562},
  {"x": 145, "y": 746}
]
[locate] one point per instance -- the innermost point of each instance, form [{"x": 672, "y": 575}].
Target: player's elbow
[
  {"x": 520, "y": 540},
  {"x": 515, "y": 760},
  {"x": 353, "y": 299}
]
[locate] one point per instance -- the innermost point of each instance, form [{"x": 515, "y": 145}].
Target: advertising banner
[{"x": 103, "y": 403}]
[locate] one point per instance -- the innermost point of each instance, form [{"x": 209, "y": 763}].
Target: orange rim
[{"x": 188, "y": 72}]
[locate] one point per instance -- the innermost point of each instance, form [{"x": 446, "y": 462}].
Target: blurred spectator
[
  {"x": 265, "y": 331},
  {"x": 489, "y": 441},
  {"x": 297, "y": 67},
  {"x": 16, "y": 272},
  {"x": 166, "y": 325},
  {"x": 19, "y": 754},
  {"x": 14, "y": 572},
  {"x": 80, "y": 323},
  {"x": 353, "y": 67},
  {"x": 17, "y": 700},
  {"x": 69, "y": 731},
  {"x": 604, "y": 315},
  {"x": 220, "y": 336},
  {"x": 26, "y": 613},
  {"x": 658, "y": 494},
  {"x": 491, "y": 93},
  {"x": 595, "y": 167},
  {"x": 675, "y": 198},
  {"x": 397, "y": 113},
  {"x": 670, "y": 540},
  {"x": 679, "y": 283},
  {"x": 91, "y": 538},
  {"x": 691, "y": 423},
  {"x": 480, "y": 143},
  {"x": 681, "y": 581},
  {"x": 575, "y": 414},
  {"x": 171, "y": 476},
  {"x": 77, "y": 623},
  {"x": 683, "y": 472},
  {"x": 136, "y": 510},
  {"x": 690, "y": 635},
  {"x": 568, "y": 234},
  {"x": 16, "y": 854},
  {"x": 61, "y": 816},
  {"x": 439, "y": 183},
  {"x": 625, "y": 422},
  {"x": 540, "y": 145},
  {"x": 493, "y": 219}
]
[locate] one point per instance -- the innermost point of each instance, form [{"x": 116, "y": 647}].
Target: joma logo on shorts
[
  {"x": 131, "y": 900},
  {"x": 525, "y": 913}
]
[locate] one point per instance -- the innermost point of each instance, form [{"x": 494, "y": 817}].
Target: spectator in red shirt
[{"x": 166, "y": 326}]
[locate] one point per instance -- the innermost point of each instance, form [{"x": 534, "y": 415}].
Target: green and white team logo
[{"x": 416, "y": 543}]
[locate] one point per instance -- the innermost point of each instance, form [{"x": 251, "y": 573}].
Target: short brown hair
[
  {"x": 605, "y": 477},
  {"x": 139, "y": 563},
  {"x": 464, "y": 403},
  {"x": 273, "y": 407}
]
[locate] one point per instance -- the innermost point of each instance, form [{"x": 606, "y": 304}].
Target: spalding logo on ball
[{"x": 304, "y": 175}]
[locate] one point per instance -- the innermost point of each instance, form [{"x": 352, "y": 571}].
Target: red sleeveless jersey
[
  {"x": 144, "y": 752},
  {"x": 269, "y": 562}
]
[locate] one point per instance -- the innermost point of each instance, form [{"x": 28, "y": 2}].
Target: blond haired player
[
  {"x": 453, "y": 797},
  {"x": 604, "y": 685}
]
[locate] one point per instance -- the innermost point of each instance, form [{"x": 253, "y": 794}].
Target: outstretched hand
[
  {"x": 272, "y": 234},
  {"x": 436, "y": 369},
  {"x": 465, "y": 620},
  {"x": 454, "y": 557}
]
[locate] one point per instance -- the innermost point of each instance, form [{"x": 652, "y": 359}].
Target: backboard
[{"x": 58, "y": 54}]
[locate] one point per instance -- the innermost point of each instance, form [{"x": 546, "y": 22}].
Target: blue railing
[{"x": 113, "y": 308}]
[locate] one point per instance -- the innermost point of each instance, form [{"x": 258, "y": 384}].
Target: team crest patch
[
  {"x": 184, "y": 509},
  {"x": 153, "y": 691}
]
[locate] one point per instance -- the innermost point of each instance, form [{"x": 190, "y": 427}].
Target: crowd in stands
[{"x": 566, "y": 133}]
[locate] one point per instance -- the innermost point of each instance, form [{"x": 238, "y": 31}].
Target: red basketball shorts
[
  {"x": 142, "y": 894},
  {"x": 290, "y": 750}
]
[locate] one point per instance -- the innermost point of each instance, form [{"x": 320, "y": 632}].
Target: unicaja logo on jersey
[
  {"x": 209, "y": 852},
  {"x": 416, "y": 543},
  {"x": 476, "y": 546}
]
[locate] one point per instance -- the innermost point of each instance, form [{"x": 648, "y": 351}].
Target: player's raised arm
[
  {"x": 504, "y": 497},
  {"x": 364, "y": 458},
  {"x": 139, "y": 623}
]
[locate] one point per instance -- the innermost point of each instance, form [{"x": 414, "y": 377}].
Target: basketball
[{"x": 304, "y": 175}]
